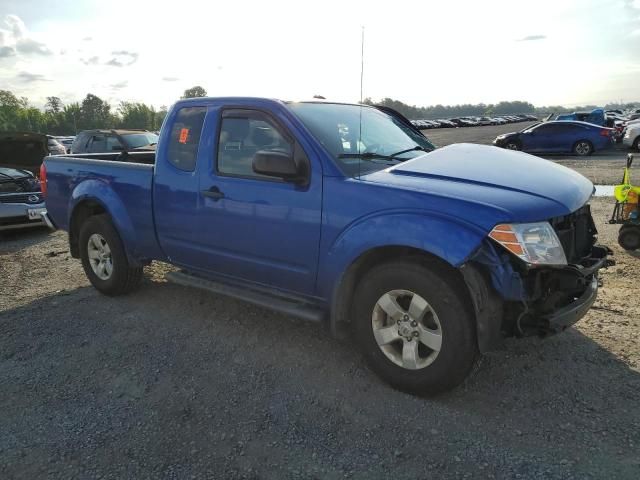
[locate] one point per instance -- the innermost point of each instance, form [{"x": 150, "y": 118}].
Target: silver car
[{"x": 21, "y": 203}]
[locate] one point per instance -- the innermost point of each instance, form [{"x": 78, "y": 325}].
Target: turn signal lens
[{"x": 534, "y": 243}]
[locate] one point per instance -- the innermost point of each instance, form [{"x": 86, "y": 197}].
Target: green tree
[
  {"x": 95, "y": 113},
  {"x": 69, "y": 118},
  {"x": 137, "y": 115},
  {"x": 194, "y": 92},
  {"x": 160, "y": 114},
  {"x": 53, "y": 105},
  {"x": 9, "y": 108}
]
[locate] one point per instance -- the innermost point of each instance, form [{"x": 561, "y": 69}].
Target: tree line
[{"x": 59, "y": 118}]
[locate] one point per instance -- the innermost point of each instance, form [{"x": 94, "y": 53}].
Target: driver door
[{"x": 253, "y": 227}]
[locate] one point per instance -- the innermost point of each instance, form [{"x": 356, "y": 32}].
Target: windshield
[
  {"x": 361, "y": 139},
  {"x": 136, "y": 140},
  {"x": 530, "y": 128}
]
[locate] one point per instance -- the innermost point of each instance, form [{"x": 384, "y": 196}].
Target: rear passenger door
[{"x": 176, "y": 193}]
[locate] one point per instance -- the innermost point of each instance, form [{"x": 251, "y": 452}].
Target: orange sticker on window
[{"x": 184, "y": 134}]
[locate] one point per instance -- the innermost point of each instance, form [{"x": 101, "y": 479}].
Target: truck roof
[
  {"x": 265, "y": 100},
  {"x": 117, "y": 131}
]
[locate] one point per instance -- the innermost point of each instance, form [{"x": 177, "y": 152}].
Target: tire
[
  {"x": 629, "y": 237},
  {"x": 636, "y": 144},
  {"x": 447, "y": 316},
  {"x": 583, "y": 148},
  {"x": 512, "y": 145},
  {"x": 107, "y": 268}
]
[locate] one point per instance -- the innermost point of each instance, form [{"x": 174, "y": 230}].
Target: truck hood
[{"x": 522, "y": 187}]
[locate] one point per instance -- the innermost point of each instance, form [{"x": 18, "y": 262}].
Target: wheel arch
[
  {"x": 83, "y": 210},
  {"x": 474, "y": 278},
  {"x": 93, "y": 197}
]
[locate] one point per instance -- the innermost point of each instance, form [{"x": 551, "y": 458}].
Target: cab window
[
  {"x": 182, "y": 151},
  {"x": 242, "y": 134}
]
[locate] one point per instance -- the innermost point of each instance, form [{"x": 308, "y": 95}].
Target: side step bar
[{"x": 293, "y": 307}]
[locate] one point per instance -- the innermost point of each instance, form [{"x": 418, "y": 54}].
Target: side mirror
[{"x": 276, "y": 164}]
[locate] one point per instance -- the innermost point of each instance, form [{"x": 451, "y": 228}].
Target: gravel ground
[
  {"x": 171, "y": 382},
  {"x": 603, "y": 168}
]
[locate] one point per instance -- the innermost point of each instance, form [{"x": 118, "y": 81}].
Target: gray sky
[{"x": 566, "y": 52}]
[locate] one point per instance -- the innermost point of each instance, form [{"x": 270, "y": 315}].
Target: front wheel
[
  {"x": 413, "y": 327},
  {"x": 512, "y": 146},
  {"x": 583, "y": 148},
  {"x": 104, "y": 259}
]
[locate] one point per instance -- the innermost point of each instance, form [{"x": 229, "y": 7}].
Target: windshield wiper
[
  {"x": 372, "y": 155},
  {"x": 416, "y": 148},
  {"x": 365, "y": 155}
]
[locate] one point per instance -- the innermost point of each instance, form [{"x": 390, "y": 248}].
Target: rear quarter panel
[{"x": 123, "y": 189}]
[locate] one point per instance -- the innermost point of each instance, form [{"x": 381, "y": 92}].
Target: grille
[
  {"x": 20, "y": 198},
  {"x": 577, "y": 234}
]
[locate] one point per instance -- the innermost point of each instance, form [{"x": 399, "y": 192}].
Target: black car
[
  {"x": 25, "y": 150},
  {"x": 104, "y": 141}
]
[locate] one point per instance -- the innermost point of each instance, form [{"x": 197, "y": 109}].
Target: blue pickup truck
[{"x": 343, "y": 214}]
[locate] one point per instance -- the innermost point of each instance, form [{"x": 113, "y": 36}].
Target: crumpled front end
[{"x": 539, "y": 299}]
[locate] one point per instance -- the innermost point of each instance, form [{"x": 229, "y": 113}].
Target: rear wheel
[
  {"x": 629, "y": 237},
  {"x": 583, "y": 148},
  {"x": 104, "y": 259},
  {"x": 636, "y": 143},
  {"x": 413, "y": 328}
]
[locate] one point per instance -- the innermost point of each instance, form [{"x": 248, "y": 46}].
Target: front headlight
[{"x": 534, "y": 243}]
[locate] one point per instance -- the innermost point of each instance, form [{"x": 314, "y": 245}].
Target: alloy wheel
[
  {"x": 406, "y": 329},
  {"x": 99, "y": 255}
]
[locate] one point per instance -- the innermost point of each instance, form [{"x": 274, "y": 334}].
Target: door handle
[{"x": 214, "y": 193}]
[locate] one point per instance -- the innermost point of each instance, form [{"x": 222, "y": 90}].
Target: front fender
[
  {"x": 99, "y": 191},
  {"x": 449, "y": 238}
]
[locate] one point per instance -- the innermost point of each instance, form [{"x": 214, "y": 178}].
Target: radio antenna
[{"x": 361, "y": 62}]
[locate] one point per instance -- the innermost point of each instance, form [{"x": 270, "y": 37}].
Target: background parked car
[
  {"x": 446, "y": 123},
  {"x": 103, "y": 141},
  {"x": 595, "y": 116},
  {"x": 54, "y": 146},
  {"x": 21, "y": 202},
  {"x": 631, "y": 137},
  {"x": 66, "y": 142},
  {"x": 558, "y": 137},
  {"x": 25, "y": 150}
]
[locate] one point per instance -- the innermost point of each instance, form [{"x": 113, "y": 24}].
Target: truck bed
[{"x": 125, "y": 186}]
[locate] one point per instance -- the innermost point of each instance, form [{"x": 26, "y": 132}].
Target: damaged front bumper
[
  {"x": 510, "y": 299},
  {"x": 556, "y": 298},
  {"x": 571, "y": 313}
]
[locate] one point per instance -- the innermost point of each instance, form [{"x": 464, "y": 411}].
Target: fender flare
[
  {"x": 449, "y": 238},
  {"x": 98, "y": 191}
]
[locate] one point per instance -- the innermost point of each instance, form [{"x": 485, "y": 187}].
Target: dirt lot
[
  {"x": 176, "y": 383},
  {"x": 603, "y": 168}
]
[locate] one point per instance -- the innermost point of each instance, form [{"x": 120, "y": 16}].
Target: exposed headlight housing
[{"x": 534, "y": 243}]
